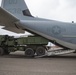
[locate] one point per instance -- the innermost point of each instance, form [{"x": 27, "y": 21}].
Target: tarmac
[{"x": 17, "y": 64}]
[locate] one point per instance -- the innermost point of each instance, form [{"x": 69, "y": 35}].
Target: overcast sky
[{"x": 62, "y": 10}]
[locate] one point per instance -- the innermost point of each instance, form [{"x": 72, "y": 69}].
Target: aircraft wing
[
  {"x": 14, "y": 29},
  {"x": 8, "y": 20}
]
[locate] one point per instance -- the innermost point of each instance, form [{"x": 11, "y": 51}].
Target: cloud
[
  {"x": 71, "y": 3},
  {"x": 41, "y": 7},
  {"x": 66, "y": 10},
  {"x": 62, "y": 10}
]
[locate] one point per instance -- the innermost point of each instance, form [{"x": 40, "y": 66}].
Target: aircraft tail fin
[{"x": 17, "y": 7}]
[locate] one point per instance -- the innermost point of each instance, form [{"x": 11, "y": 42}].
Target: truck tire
[
  {"x": 1, "y": 51},
  {"x": 40, "y": 51},
  {"x": 6, "y": 52},
  {"x": 29, "y": 52}
]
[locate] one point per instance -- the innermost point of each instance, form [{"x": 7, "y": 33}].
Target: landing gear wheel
[
  {"x": 40, "y": 51},
  {"x": 1, "y": 52},
  {"x": 29, "y": 52}
]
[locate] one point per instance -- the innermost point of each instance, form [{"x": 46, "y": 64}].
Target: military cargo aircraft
[{"x": 16, "y": 17}]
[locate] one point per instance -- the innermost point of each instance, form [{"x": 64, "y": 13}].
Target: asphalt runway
[{"x": 17, "y": 64}]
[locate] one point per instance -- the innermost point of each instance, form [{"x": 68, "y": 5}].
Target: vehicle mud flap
[{"x": 1, "y": 51}]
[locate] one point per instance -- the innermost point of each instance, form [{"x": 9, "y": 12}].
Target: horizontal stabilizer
[
  {"x": 16, "y": 30},
  {"x": 8, "y": 20}
]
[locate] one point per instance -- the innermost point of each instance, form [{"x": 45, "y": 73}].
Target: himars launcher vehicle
[
  {"x": 16, "y": 17},
  {"x": 31, "y": 45}
]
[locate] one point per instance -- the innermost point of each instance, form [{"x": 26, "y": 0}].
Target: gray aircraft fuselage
[{"x": 58, "y": 32}]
